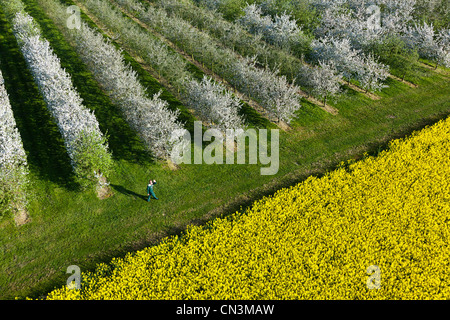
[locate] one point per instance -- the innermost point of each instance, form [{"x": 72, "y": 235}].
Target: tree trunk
[
  {"x": 230, "y": 145},
  {"x": 172, "y": 165},
  {"x": 103, "y": 189},
  {"x": 21, "y": 215}
]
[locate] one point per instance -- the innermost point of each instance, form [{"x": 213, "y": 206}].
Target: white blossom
[
  {"x": 351, "y": 24},
  {"x": 282, "y": 31},
  {"x": 13, "y": 160},
  {"x": 167, "y": 63},
  {"x": 346, "y": 59},
  {"x": 214, "y": 103},
  {"x": 351, "y": 19},
  {"x": 325, "y": 80},
  {"x": 272, "y": 91},
  {"x": 397, "y": 14},
  {"x": 73, "y": 119},
  {"x": 150, "y": 118},
  {"x": 422, "y": 37},
  {"x": 373, "y": 74},
  {"x": 443, "y": 41},
  {"x": 352, "y": 63},
  {"x": 430, "y": 44}
]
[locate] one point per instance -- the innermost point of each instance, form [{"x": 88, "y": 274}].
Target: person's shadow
[{"x": 128, "y": 192}]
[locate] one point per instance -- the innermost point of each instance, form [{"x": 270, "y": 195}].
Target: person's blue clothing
[{"x": 150, "y": 191}]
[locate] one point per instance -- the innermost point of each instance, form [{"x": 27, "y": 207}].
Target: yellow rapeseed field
[{"x": 311, "y": 241}]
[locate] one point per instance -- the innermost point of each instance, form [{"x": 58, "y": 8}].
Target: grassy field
[{"x": 72, "y": 227}]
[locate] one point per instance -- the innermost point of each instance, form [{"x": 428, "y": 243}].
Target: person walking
[{"x": 150, "y": 192}]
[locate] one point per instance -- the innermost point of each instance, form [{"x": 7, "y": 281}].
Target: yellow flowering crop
[{"x": 311, "y": 241}]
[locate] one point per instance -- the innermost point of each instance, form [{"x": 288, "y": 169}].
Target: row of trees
[
  {"x": 149, "y": 117},
  {"x": 13, "y": 160},
  {"x": 361, "y": 38},
  {"x": 233, "y": 36},
  {"x": 366, "y": 23},
  {"x": 436, "y": 12},
  {"x": 212, "y": 103},
  {"x": 86, "y": 145},
  {"x": 236, "y": 37},
  {"x": 352, "y": 63},
  {"x": 164, "y": 61},
  {"x": 370, "y": 30},
  {"x": 386, "y": 32},
  {"x": 331, "y": 59},
  {"x": 429, "y": 44},
  {"x": 273, "y": 92},
  {"x": 281, "y": 30}
]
